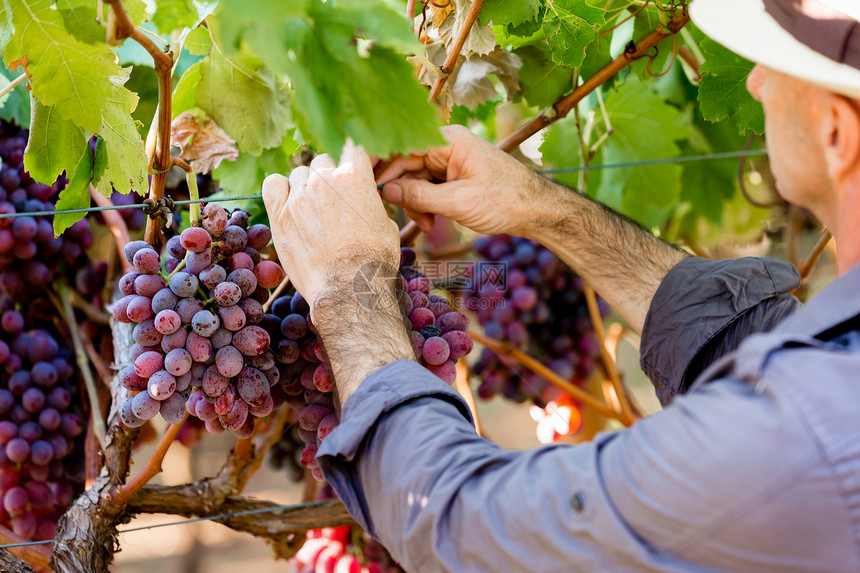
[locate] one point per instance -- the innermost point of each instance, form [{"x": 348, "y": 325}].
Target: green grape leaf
[
  {"x": 185, "y": 90},
  {"x": 7, "y": 27},
  {"x": 569, "y": 26},
  {"x": 76, "y": 195},
  {"x": 126, "y": 167},
  {"x": 322, "y": 49},
  {"x": 136, "y": 10},
  {"x": 509, "y": 12},
  {"x": 542, "y": 80},
  {"x": 172, "y": 14},
  {"x": 198, "y": 42},
  {"x": 644, "y": 127},
  {"x": 245, "y": 175},
  {"x": 723, "y": 92},
  {"x": 66, "y": 73},
  {"x": 14, "y": 106},
  {"x": 80, "y": 18},
  {"x": 244, "y": 98},
  {"x": 54, "y": 144}
]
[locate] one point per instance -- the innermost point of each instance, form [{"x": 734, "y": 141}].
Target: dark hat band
[{"x": 825, "y": 30}]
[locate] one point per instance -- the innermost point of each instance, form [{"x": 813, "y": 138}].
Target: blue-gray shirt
[{"x": 754, "y": 465}]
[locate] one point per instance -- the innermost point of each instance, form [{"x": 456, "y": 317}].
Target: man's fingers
[
  {"x": 425, "y": 221},
  {"x": 400, "y": 167},
  {"x": 276, "y": 190},
  {"x": 323, "y": 161},
  {"x": 299, "y": 177},
  {"x": 354, "y": 154},
  {"x": 419, "y": 195}
]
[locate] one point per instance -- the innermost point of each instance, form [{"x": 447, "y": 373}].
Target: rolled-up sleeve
[
  {"x": 670, "y": 494},
  {"x": 704, "y": 309}
]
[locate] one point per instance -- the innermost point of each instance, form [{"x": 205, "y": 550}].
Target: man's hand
[
  {"x": 485, "y": 189},
  {"x": 327, "y": 221},
  {"x": 341, "y": 251}
]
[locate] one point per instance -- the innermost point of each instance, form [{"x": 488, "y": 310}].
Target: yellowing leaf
[{"x": 203, "y": 146}]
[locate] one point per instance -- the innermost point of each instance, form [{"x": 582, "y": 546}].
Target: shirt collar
[{"x": 836, "y": 304}]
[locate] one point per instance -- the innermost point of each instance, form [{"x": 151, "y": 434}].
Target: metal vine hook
[{"x": 741, "y": 173}]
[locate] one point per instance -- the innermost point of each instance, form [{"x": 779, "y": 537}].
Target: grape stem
[
  {"x": 178, "y": 268},
  {"x": 454, "y": 51},
  {"x": 465, "y": 390},
  {"x": 193, "y": 192},
  {"x": 13, "y": 84},
  {"x": 83, "y": 362},
  {"x": 121, "y": 494},
  {"x": 504, "y": 349}
]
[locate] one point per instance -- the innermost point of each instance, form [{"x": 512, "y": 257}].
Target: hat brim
[{"x": 744, "y": 27}]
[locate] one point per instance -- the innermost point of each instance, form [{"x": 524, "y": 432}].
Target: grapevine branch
[
  {"x": 13, "y": 84},
  {"x": 564, "y": 105},
  {"x": 527, "y": 361},
  {"x": 454, "y": 51},
  {"x": 162, "y": 161},
  {"x": 465, "y": 390},
  {"x": 806, "y": 266},
  {"x": 608, "y": 362}
]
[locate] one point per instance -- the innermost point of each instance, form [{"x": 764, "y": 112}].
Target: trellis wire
[
  {"x": 225, "y": 515},
  {"x": 643, "y": 163}
]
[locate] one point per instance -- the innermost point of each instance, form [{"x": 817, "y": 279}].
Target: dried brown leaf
[{"x": 204, "y": 146}]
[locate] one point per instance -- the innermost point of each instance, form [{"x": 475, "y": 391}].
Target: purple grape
[
  {"x": 41, "y": 452},
  {"x": 205, "y": 411},
  {"x": 183, "y": 382},
  {"x": 421, "y": 317},
  {"x": 205, "y": 323},
  {"x": 294, "y": 327},
  {"x": 253, "y": 310},
  {"x": 310, "y": 416},
  {"x": 235, "y": 418},
  {"x": 224, "y": 403},
  {"x": 252, "y": 385},
  {"x": 173, "y": 409},
  {"x": 178, "y": 362},
  {"x": 245, "y": 279},
  {"x": 164, "y": 300},
  {"x": 147, "y": 262},
  {"x": 268, "y": 274},
  {"x": 214, "y": 219},
  {"x": 227, "y": 294},
  {"x": 187, "y": 308},
  {"x": 212, "y": 276},
  {"x": 12, "y": 322},
  {"x": 198, "y": 347},
  {"x": 459, "y": 343},
  {"x": 33, "y": 400},
  {"x": 24, "y": 228},
  {"x": 144, "y": 406},
  {"x": 120, "y": 308},
  {"x": 222, "y": 336},
  {"x": 251, "y": 340},
  {"x": 196, "y": 262},
  {"x": 60, "y": 398},
  {"x": 139, "y": 309},
  {"x": 183, "y": 284},
  {"x": 214, "y": 383},
  {"x": 446, "y": 371},
  {"x": 195, "y": 239},
  {"x": 175, "y": 249},
  {"x": 161, "y": 385},
  {"x": 233, "y": 240},
  {"x": 229, "y": 361},
  {"x": 174, "y": 341},
  {"x": 148, "y": 364},
  {"x": 8, "y": 431},
  {"x": 7, "y": 401},
  {"x": 167, "y": 322},
  {"x": 132, "y": 248},
  {"x": 44, "y": 374},
  {"x": 288, "y": 351},
  {"x": 241, "y": 261},
  {"x": 171, "y": 264},
  {"x": 16, "y": 500},
  {"x": 148, "y": 285},
  {"x": 259, "y": 237},
  {"x": 19, "y": 382},
  {"x": 453, "y": 321},
  {"x": 262, "y": 361},
  {"x": 18, "y": 450}
]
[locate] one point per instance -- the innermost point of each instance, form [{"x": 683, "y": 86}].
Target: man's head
[{"x": 808, "y": 80}]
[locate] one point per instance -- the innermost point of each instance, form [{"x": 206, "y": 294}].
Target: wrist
[
  {"x": 547, "y": 207},
  {"x": 360, "y": 332}
]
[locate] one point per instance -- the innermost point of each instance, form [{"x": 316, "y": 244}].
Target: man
[{"x": 755, "y": 468}]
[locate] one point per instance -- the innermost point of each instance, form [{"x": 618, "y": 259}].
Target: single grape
[
  {"x": 18, "y": 450},
  {"x": 212, "y": 276},
  {"x": 145, "y": 406},
  {"x": 459, "y": 343},
  {"x": 191, "y": 403},
  {"x": 175, "y": 248},
  {"x": 251, "y": 340},
  {"x": 16, "y": 500},
  {"x": 224, "y": 403},
  {"x": 245, "y": 279},
  {"x": 71, "y": 425},
  {"x": 229, "y": 361},
  {"x": 214, "y": 426},
  {"x": 262, "y": 361},
  {"x": 139, "y": 309},
  {"x": 323, "y": 378},
  {"x": 148, "y": 364},
  {"x": 453, "y": 321},
  {"x": 241, "y": 261},
  {"x": 198, "y": 347},
  {"x": 445, "y": 371},
  {"x": 252, "y": 309},
  {"x": 252, "y": 385},
  {"x": 147, "y": 261},
  {"x": 235, "y": 418},
  {"x": 173, "y": 409},
  {"x": 205, "y": 323},
  {"x": 8, "y": 431},
  {"x": 161, "y": 385},
  {"x": 148, "y": 285},
  {"x": 183, "y": 284},
  {"x": 178, "y": 362},
  {"x": 60, "y": 398},
  {"x": 195, "y": 239},
  {"x": 205, "y": 411},
  {"x": 31, "y": 431},
  {"x": 12, "y": 322},
  {"x": 132, "y": 248},
  {"x": 214, "y": 383},
  {"x": 187, "y": 308},
  {"x": 49, "y": 419},
  {"x": 167, "y": 322},
  {"x": 41, "y": 452},
  {"x": 214, "y": 219},
  {"x": 164, "y": 300},
  {"x": 421, "y": 317},
  {"x": 33, "y": 400},
  {"x": 196, "y": 262},
  {"x": 288, "y": 351},
  {"x": 183, "y": 382},
  {"x": 222, "y": 337},
  {"x": 233, "y": 240},
  {"x": 327, "y": 426},
  {"x": 44, "y": 374},
  {"x": 294, "y": 327},
  {"x": 227, "y": 294},
  {"x": 268, "y": 274},
  {"x": 264, "y": 409},
  {"x": 174, "y": 341},
  {"x": 435, "y": 350},
  {"x": 126, "y": 283}
]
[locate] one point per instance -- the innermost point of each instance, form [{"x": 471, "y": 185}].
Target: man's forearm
[{"x": 618, "y": 258}]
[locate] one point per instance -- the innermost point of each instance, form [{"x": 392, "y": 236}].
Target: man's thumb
[{"x": 416, "y": 195}]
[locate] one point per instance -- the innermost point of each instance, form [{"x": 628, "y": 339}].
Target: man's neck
[{"x": 846, "y": 228}]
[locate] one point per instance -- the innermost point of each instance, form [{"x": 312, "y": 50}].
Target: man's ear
[{"x": 841, "y": 136}]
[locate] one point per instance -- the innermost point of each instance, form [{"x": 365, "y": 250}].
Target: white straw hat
[{"x": 815, "y": 40}]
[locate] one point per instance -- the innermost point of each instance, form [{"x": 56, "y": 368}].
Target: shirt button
[{"x": 578, "y": 501}]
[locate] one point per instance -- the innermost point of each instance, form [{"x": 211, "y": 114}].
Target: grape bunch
[
  {"x": 41, "y": 458},
  {"x": 30, "y": 255},
  {"x": 438, "y": 336},
  {"x": 537, "y": 306},
  {"x": 197, "y": 344}
]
